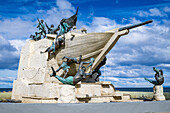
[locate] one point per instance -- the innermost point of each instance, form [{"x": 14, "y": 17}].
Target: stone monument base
[
  {"x": 60, "y": 93},
  {"x": 158, "y": 93}
]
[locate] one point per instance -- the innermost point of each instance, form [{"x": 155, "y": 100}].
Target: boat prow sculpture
[
  {"x": 34, "y": 84},
  {"x": 95, "y": 45}
]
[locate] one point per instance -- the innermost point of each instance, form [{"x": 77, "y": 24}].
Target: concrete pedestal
[
  {"x": 158, "y": 93},
  {"x": 60, "y": 93}
]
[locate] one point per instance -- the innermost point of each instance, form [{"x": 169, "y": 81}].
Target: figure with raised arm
[
  {"x": 52, "y": 30},
  {"x": 41, "y": 27},
  {"x": 79, "y": 75},
  {"x": 158, "y": 76}
]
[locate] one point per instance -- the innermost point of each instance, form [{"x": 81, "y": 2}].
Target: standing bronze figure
[{"x": 41, "y": 27}]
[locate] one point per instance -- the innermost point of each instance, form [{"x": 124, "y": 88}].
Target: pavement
[{"x": 114, "y": 107}]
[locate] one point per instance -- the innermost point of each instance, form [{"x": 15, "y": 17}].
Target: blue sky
[{"x": 132, "y": 58}]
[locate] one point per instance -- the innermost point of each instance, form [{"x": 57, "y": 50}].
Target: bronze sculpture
[
  {"x": 56, "y": 44},
  {"x": 97, "y": 69},
  {"x": 79, "y": 75},
  {"x": 66, "y": 64},
  {"x": 52, "y": 30},
  {"x": 35, "y": 37},
  {"x": 41, "y": 27},
  {"x": 158, "y": 76},
  {"x": 67, "y": 24}
]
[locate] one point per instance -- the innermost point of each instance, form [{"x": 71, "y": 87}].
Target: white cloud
[
  {"x": 101, "y": 24},
  {"x": 63, "y": 9},
  {"x": 64, "y": 5},
  {"x": 154, "y": 12},
  {"x": 127, "y": 71},
  {"x": 128, "y": 82},
  {"x": 7, "y": 78},
  {"x": 164, "y": 65},
  {"x": 8, "y": 73},
  {"x": 5, "y": 85},
  {"x": 143, "y": 13},
  {"x": 18, "y": 44},
  {"x": 166, "y": 9},
  {"x": 16, "y": 28},
  {"x": 111, "y": 79},
  {"x": 8, "y": 54},
  {"x": 3, "y": 41},
  {"x": 54, "y": 15}
]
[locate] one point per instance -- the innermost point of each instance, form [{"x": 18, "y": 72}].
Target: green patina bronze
[
  {"x": 79, "y": 75},
  {"x": 64, "y": 27},
  {"x": 66, "y": 64},
  {"x": 58, "y": 42},
  {"x": 67, "y": 24},
  {"x": 36, "y": 37},
  {"x": 158, "y": 76},
  {"x": 41, "y": 27},
  {"x": 52, "y": 30}
]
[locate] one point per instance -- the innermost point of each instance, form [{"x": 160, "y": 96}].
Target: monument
[
  {"x": 157, "y": 89},
  {"x": 34, "y": 84}
]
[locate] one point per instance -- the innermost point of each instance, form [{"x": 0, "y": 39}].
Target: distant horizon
[
  {"x": 129, "y": 61},
  {"x": 130, "y": 89},
  {"x": 115, "y": 87}
]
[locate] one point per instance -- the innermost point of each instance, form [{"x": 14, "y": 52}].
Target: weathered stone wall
[
  {"x": 61, "y": 93},
  {"x": 34, "y": 69},
  {"x": 33, "y": 66}
]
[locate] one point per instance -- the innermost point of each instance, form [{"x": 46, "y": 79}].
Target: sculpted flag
[
  {"x": 67, "y": 24},
  {"x": 72, "y": 20}
]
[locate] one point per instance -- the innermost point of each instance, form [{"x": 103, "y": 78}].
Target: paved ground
[{"x": 115, "y": 107}]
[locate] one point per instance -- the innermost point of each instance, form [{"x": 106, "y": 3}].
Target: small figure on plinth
[
  {"x": 158, "y": 89},
  {"x": 41, "y": 27},
  {"x": 79, "y": 75}
]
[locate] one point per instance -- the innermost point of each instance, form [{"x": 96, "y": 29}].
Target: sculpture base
[
  {"x": 60, "y": 93},
  {"x": 158, "y": 93}
]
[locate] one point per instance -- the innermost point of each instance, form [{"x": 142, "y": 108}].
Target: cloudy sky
[{"x": 132, "y": 58}]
